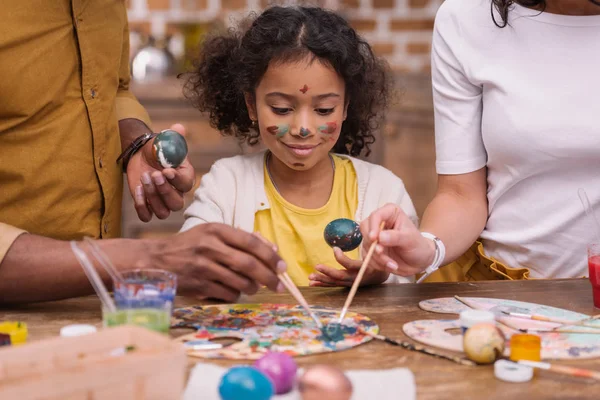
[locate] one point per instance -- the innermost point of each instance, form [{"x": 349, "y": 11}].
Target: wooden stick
[
  {"x": 104, "y": 260},
  {"x": 359, "y": 277},
  {"x": 537, "y": 317},
  {"x": 474, "y": 306},
  {"x": 294, "y": 291},
  {"x": 420, "y": 349},
  {"x": 562, "y": 369}
]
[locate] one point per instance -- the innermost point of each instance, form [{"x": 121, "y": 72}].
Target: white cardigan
[{"x": 234, "y": 190}]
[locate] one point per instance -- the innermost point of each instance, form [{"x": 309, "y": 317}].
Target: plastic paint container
[
  {"x": 468, "y": 318},
  {"x": 525, "y": 347},
  {"x": 16, "y": 329}
]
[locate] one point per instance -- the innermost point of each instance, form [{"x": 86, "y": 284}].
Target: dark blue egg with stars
[
  {"x": 246, "y": 383},
  {"x": 169, "y": 148},
  {"x": 343, "y": 233}
]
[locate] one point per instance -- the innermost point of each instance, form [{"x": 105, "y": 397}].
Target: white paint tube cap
[
  {"x": 512, "y": 372},
  {"x": 77, "y": 330},
  {"x": 468, "y": 318}
]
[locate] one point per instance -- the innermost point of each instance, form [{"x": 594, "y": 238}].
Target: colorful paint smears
[
  {"x": 328, "y": 128},
  {"x": 278, "y": 130},
  {"x": 304, "y": 132},
  {"x": 555, "y": 345},
  {"x": 269, "y": 327},
  {"x": 304, "y": 89}
]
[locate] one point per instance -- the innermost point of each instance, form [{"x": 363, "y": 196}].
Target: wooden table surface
[{"x": 390, "y": 306}]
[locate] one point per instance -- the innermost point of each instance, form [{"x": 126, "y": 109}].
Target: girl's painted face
[{"x": 300, "y": 109}]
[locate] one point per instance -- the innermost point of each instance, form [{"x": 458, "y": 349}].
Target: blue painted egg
[
  {"x": 245, "y": 383},
  {"x": 169, "y": 148},
  {"x": 343, "y": 233}
]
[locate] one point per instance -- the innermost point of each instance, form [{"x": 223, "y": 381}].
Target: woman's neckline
[{"x": 556, "y": 19}]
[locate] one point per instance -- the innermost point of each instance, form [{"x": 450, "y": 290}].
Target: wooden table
[{"x": 390, "y": 306}]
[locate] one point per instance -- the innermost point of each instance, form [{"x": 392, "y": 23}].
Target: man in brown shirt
[{"x": 66, "y": 113}]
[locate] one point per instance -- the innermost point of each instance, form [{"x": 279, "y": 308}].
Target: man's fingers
[
  {"x": 182, "y": 177},
  {"x": 227, "y": 277},
  {"x": 141, "y": 207},
  {"x": 153, "y": 198},
  {"x": 179, "y": 128},
  {"x": 170, "y": 197},
  {"x": 251, "y": 244}
]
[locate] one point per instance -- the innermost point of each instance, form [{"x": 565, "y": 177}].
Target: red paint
[
  {"x": 273, "y": 129},
  {"x": 331, "y": 127},
  {"x": 594, "y": 269},
  {"x": 304, "y": 89}
]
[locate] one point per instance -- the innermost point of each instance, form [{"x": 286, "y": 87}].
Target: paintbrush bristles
[
  {"x": 295, "y": 292},
  {"x": 359, "y": 276}
]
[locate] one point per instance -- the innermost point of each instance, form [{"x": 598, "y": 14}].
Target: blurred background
[{"x": 165, "y": 36}]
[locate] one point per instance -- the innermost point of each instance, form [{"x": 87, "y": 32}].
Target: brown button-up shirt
[{"x": 64, "y": 78}]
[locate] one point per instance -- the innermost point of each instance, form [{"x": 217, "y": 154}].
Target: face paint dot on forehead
[
  {"x": 328, "y": 128},
  {"x": 278, "y": 130},
  {"x": 304, "y": 89},
  {"x": 304, "y": 132}
]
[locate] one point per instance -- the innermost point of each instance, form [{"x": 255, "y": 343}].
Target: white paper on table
[{"x": 381, "y": 384}]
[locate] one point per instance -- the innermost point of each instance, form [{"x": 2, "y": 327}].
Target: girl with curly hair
[
  {"x": 304, "y": 84},
  {"x": 515, "y": 93}
]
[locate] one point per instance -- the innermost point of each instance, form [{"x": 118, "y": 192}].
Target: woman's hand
[
  {"x": 401, "y": 248},
  {"x": 331, "y": 277}
]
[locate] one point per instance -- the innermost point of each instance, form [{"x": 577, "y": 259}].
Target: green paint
[{"x": 151, "y": 318}]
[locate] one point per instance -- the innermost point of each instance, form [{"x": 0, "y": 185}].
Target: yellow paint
[{"x": 17, "y": 331}]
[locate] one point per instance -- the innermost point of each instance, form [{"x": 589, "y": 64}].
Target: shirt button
[
  {"x": 93, "y": 92},
  {"x": 106, "y": 227}
]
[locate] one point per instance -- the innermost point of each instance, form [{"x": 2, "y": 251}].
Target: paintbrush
[
  {"x": 294, "y": 291},
  {"x": 93, "y": 277},
  {"x": 287, "y": 281},
  {"x": 475, "y": 306},
  {"x": 420, "y": 349},
  {"x": 562, "y": 369},
  {"x": 561, "y": 321},
  {"x": 359, "y": 276}
]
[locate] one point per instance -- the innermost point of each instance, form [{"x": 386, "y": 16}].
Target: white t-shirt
[{"x": 524, "y": 101}]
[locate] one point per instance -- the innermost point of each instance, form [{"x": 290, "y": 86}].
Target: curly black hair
[
  {"x": 233, "y": 63},
  {"x": 503, "y": 6}
]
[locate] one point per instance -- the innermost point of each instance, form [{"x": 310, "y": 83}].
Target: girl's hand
[
  {"x": 401, "y": 248},
  {"x": 331, "y": 277}
]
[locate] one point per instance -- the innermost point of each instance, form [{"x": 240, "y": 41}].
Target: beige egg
[
  {"x": 324, "y": 382},
  {"x": 484, "y": 343}
]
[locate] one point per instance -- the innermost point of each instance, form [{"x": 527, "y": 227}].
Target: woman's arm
[
  {"x": 458, "y": 212},
  {"x": 457, "y": 215}
]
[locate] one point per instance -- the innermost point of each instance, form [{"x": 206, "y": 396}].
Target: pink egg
[{"x": 280, "y": 368}]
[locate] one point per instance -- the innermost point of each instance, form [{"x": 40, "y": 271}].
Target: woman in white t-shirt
[{"x": 516, "y": 89}]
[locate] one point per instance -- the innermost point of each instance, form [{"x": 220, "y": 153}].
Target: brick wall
[{"x": 399, "y": 30}]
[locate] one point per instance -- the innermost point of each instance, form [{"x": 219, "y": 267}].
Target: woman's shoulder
[{"x": 464, "y": 12}]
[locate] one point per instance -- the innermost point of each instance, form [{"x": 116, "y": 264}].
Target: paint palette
[
  {"x": 260, "y": 328},
  {"x": 555, "y": 345}
]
